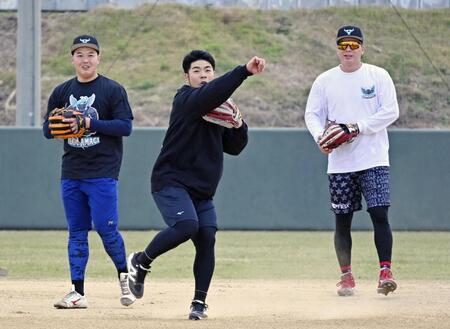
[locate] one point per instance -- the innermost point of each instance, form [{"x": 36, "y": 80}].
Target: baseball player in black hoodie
[{"x": 188, "y": 169}]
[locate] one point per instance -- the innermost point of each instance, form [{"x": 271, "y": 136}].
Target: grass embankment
[{"x": 143, "y": 49}]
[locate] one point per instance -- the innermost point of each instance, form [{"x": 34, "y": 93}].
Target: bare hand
[
  {"x": 256, "y": 65},
  {"x": 324, "y": 150}
]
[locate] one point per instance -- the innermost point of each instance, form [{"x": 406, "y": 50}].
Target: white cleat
[
  {"x": 126, "y": 297},
  {"x": 72, "y": 300}
]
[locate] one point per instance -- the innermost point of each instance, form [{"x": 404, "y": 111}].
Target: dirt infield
[{"x": 233, "y": 304}]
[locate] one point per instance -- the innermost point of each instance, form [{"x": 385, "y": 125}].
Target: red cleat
[
  {"x": 346, "y": 285},
  {"x": 386, "y": 284}
]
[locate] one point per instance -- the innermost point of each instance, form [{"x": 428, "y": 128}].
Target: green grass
[{"x": 239, "y": 255}]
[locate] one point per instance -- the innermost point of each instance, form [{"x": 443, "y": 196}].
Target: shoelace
[
  {"x": 386, "y": 274},
  {"x": 72, "y": 293},
  {"x": 141, "y": 273},
  {"x": 137, "y": 272},
  {"x": 346, "y": 278},
  {"x": 124, "y": 287},
  {"x": 70, "y": 297},
  {"x": 199, "y": 306}
]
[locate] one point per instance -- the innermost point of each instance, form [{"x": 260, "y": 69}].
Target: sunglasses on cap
[{"x": 344, "y": 44}]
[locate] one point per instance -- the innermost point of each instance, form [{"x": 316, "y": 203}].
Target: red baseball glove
[
  {"x": 226, "y": 115},
  {"x": 336, "y": 134}
]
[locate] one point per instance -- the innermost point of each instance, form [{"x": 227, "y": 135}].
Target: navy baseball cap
[
  {"x": 349, "y": 31},
  {"x": 85, "y": 41}
]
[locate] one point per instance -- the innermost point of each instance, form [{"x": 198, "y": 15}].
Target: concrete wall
[{"x": 278, "y": 182}]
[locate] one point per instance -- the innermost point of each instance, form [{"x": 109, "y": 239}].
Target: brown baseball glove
[{"x": 63, "y": 130}]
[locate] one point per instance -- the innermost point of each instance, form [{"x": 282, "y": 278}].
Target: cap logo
[
  {"x": 349, "y": 31},
  {"x": 85, "y": 40}
]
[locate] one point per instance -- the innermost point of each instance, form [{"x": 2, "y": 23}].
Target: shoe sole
[
  {"x": 346, "y": 292},
  {"x": 127, "y": 301},
  {"x": 61, "y": 307},
  {"x": 196, "y": 317},
  {"x": 386, "y": 287},
  {"x": 139, "y": 296}
]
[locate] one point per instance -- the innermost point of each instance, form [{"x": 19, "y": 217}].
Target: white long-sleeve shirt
[{"x": 367, "y": 97}]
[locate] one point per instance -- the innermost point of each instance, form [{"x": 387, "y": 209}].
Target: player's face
[
  {"x": 85, "y": 60},
  {"x": 350, "y": 56},
  {"x": 200, "y": 73}
]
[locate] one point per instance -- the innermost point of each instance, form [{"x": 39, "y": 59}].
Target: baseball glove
[
  {"x": 61, "y": 129},
  {"x": 336, "y": 134},
  {"x": 226, "y": 115}
]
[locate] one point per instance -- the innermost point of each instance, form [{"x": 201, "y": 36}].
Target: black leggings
[
  {"x": 204, "y": 263},
  {"x": 382, "y": 235},
  {"x": 204, "y": 239},
  {"x": 382, "y": 232},
  {"x": 170, "y": 238}
]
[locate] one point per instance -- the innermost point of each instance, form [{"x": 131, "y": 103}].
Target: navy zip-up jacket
[{"x": 192, "y": 152}]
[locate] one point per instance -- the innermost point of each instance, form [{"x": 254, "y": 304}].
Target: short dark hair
[{"x": 196, "y": 55}]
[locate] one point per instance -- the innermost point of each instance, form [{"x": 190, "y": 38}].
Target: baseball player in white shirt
[{"x": 362, "y": 99}]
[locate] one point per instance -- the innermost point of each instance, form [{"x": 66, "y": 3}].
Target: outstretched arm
[
  {"x": 256, "y": 65},
  {"x": 202, "y": 100}
]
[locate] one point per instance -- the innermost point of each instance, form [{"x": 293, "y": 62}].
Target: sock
[
  {"x": 200, "y": 295},
  {"x": 385, "y": 264},
  {"x": 142, "y": 258},
  {"x": 121, "y": 270},
  {"x": 346, "y": 269},
  {"x": 79, "y": 286}
]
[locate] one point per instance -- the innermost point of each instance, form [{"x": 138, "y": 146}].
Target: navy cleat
[
  {"x": 198, "y": 310},
  {"x": 136, "y": 275}
]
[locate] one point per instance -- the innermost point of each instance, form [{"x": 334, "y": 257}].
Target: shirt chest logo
[
  {"x": 84, "y": 105},
  {"x": 368, "y": 92}
]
